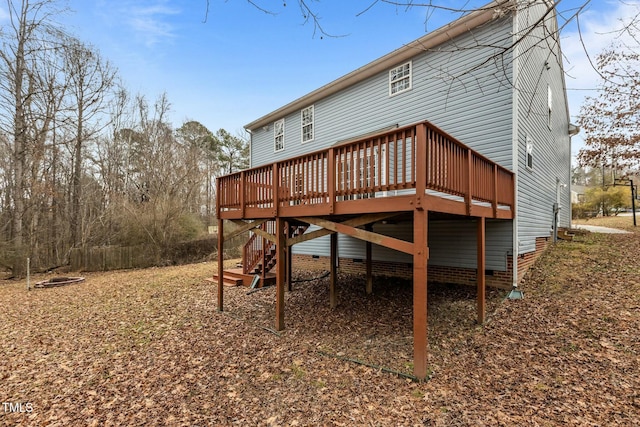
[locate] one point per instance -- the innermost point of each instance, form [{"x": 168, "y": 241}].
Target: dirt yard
[{"x": 148, "y": 347}]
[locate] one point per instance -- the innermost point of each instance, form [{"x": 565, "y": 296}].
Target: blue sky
[{"x": 242, "y": 63}]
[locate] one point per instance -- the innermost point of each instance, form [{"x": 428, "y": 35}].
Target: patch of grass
[
  {"x": 276, "y": 377},
  {"x": 319, "y": 384},
  {"x": 297, "y": 371},
  {"x": 608, "y": 319},
  {"x": 541, "y": 386}
]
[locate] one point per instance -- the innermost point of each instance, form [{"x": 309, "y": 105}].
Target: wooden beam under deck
[
  {"x": 354, "y": 222},
  {"x": 244, "y": 227},
  {"x": 368, "y": 236}
]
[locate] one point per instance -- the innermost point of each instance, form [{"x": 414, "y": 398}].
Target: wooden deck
[
  {"x": 419, "y": 165},
  {"x": 406, "y": 172}
]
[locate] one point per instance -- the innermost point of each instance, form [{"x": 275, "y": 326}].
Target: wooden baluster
[
  {"x": 387, "y": 155},
  {"x": 467, "y": 195},
  {"x": 494, "y": 201},
  {"x": 331, "y": 179},
  {"x": 275, "y": 189}
]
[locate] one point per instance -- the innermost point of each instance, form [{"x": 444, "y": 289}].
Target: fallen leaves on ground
[{"x": 148, "y": 347}]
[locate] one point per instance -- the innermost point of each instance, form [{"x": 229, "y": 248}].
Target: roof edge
[{"x": 428, "y": 41}]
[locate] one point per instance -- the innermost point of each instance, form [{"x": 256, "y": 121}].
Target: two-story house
[{"x": 447, "y": 160}]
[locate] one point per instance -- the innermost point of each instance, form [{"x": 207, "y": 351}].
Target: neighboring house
[
  {"x": 453, "y": 149},
  {"x": 578, "y": 193}
]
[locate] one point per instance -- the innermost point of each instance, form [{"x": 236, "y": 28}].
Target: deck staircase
[{"x": 258, "y": 258}]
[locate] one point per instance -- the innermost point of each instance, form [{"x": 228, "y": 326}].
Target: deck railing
[
  {"x": 397, "y": 161},
  {"x": 254, "y": 251}
]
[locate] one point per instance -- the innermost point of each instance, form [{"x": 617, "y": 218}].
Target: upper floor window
[
  {"x": 549, "y": 105},
  {"x": 278, "y": 135},
  {"x": 307, "y": 124},
  {"x": 400, "y": 79},
  {"x": 529, "y": 153}
]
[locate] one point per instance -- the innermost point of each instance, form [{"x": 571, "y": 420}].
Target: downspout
[
  {"x": 556, "y": 209},
  {"x": 573, "y": 131},
  {"x": 514, "y": 155}
]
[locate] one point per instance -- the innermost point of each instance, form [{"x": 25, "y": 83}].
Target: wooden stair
[
  {"x": 565, "y": 234},
  {"x": 234, "y": 277},
  {"x": 265, "y": 260},
  {"x": 269, "y": 259}
]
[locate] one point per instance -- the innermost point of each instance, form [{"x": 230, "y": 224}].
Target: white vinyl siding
[
  {"x": 400, "y": 79},
  {"x": 306, "y": 118}
]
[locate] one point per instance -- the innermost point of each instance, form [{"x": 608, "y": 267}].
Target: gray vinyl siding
[
  {"x": 551, "y": 145},
  {"x": 452, "y": 243},
  {"x": 450, "y": 88},
  {"x": 457, "y": 88}
]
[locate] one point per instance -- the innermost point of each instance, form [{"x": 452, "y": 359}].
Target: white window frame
[
  {"x": 308, "y": 124},
  {"x": 549, "y": 105},
  {"x": 528, "y": 159},
  {"x": 401, "y": 73},
  {"x": 278, "y": 135}
]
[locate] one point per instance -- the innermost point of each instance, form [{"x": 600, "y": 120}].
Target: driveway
[{"x": 598, "y": 229}]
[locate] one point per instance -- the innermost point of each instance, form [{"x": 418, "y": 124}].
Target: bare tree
[
  {"x": 610, "y": 119},
  {"x": 109, "y": 161},
  {"x": 201, "y": 153},
  {"x": 29, "y": 35},
  {"x": 159, "y": 180},
  {"x": 90, "y": 82}
]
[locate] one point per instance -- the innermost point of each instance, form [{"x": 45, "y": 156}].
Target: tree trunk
[
  {"x": 19, "y": 152},
  {"x": 76, "y": 223}
]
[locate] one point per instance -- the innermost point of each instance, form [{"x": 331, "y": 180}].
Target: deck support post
[
  {"x": 420, "y": 259},
  {"x": 333, "y": 267},
  {"x": 289, "y": 268},
  {"x": 287, "y": 259},
  {"x": 481, "y": 241},
  {"x": 265, "y": 243},
  {"x": 220, "y": 263},
  {"x": 281, "y": 242},
  {"x": 369, "y": 247}
]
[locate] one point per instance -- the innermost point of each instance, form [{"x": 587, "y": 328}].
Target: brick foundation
[
  {"x": 437, "y": 273},
  {"x": 526, "y": 260}
]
